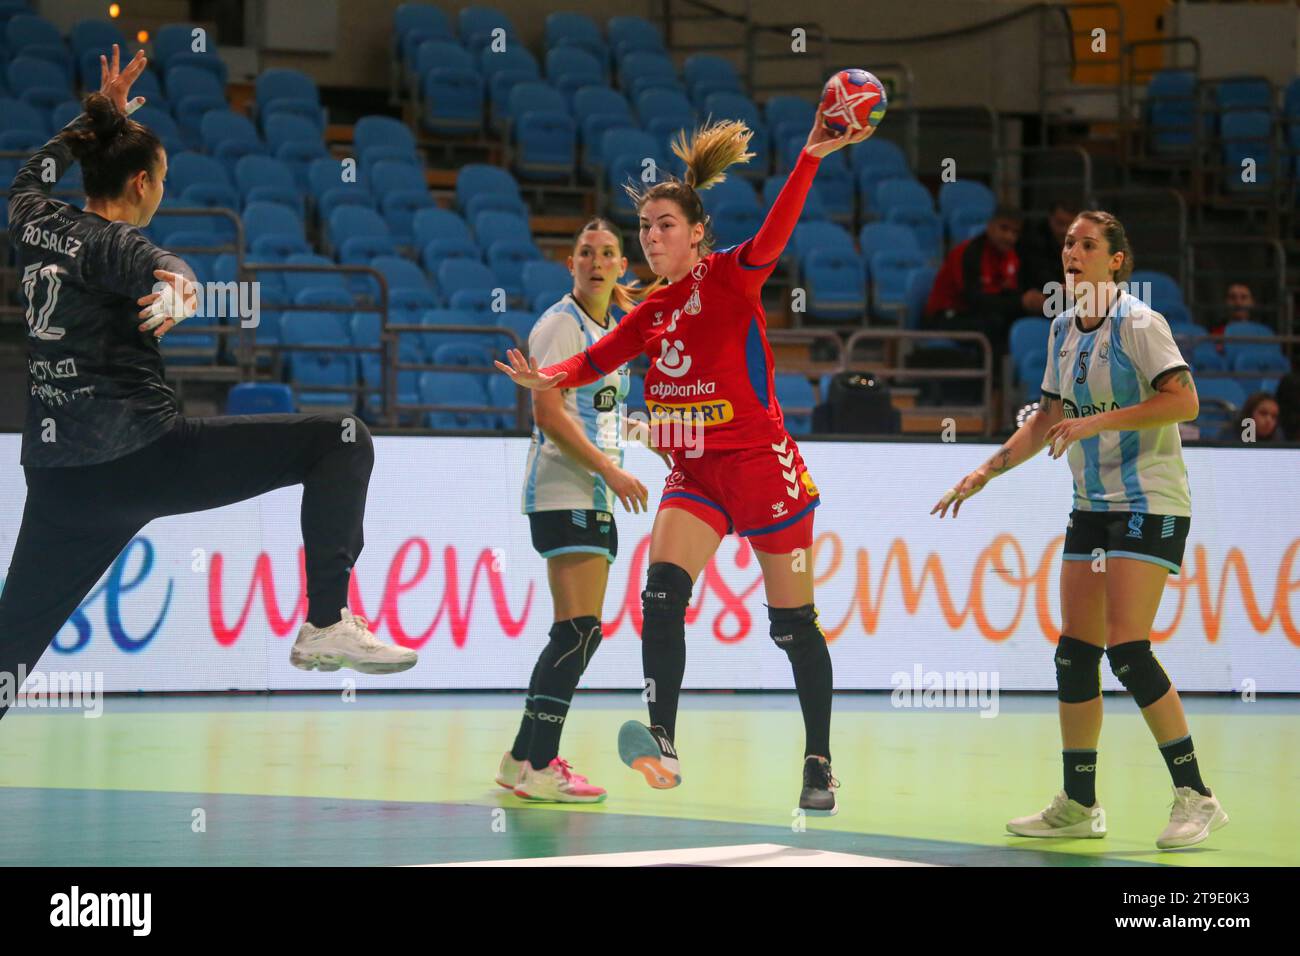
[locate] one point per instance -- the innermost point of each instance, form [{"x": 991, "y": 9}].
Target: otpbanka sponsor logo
[
  {"x": 133, "y": 910},
  {"x": 67, "y": 690},
  {"x": 947, "y": 689}
]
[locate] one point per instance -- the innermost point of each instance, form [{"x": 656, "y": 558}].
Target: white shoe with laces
[
  {"x": 1063, "y": 819},
  {"x": 348, "y": 643},
  {"x": 1192, "y": 818}
]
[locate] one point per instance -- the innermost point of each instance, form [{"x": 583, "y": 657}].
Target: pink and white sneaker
[
  {"x": 510, "y": 771},
  {"x": 556, "y": 784}
]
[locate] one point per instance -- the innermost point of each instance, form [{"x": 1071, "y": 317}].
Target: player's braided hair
[
  {"x": 707, "y": 154},
  {"x": 625, "y": 296},
  {"x": 1116, "y": 240},
  {"x": 111, "y": 148}
]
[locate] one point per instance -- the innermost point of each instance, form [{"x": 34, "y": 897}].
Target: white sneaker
[
  {"x": 1065, "y": 818},
  {"x": 557, "y": 784},
  {"x": 510, "y": 771},
  {"x": 1191, "y": 819},
  {"x": 348, "y": 643}
]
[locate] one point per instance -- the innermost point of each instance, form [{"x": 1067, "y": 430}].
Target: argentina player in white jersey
[
  {"x": 573, "y": 478},
  {"x": 1113, "y": 393},
  {"x": 105, "y": 448}
]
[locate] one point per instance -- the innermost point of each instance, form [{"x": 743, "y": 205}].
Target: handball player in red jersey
[{"x": 711, "y": 375}]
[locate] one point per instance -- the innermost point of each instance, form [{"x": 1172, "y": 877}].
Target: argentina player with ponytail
[
  {"x": 1113, "y": 393},
  {"x": 105, "y": 448},
  {"x": 703, "y": 326}
]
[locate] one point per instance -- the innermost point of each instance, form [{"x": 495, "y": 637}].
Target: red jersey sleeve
[
  {"x": 614, "y": 349},
  {"x": 755, "y": 258}
]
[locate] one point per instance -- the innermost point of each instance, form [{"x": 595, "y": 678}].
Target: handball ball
[{"x": 853, "y": 100}]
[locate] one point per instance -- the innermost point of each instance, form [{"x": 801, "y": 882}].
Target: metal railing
[
  {"x": 893, "y": 369},
  {"x": 522, "y": 416},
  {"x": 1034, "y": 192},
  {"x": 248, "y": 350},
  {"x": 1136, "y": 143},
  {"x": 1059, "y": 76}
]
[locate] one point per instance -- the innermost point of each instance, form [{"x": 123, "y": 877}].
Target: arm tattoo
[
  {"x": 1045, "y": 404},
  {"x": 1184, "y": 379},
  {"x": 1001, "y": 461}
]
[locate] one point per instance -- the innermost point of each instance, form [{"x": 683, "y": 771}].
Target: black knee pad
[
  {"x": 1078, "y": 670},
  {"x": 795, "y": 630},
  {"x": 573, "y": 644},
  {"x": 1139, "y": 671},
  {"x": 663, "y": 602}
]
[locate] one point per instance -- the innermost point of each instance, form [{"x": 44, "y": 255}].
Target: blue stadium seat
[
  {"x": 463, "y": 389},
  {"x": 837, "y": 288},
  {"x": 545, "y": 277},
  {"x": 898, "y": 192},
  {"x": 227, "y": 135},
  {"x": 1170, "y": 107},
  {"x": 967, "y": 197},
  {"x": 452, "y": 101},
  {"x": 925, "y": 225},
  {"x": 480, "y": 186},
  {"x": 1163, "y": 292},
  {"x": 491, "y": 226},
  {"x": 631, "y": 34},
  {"x": 795, "y": 393},
  {"x": 570, "y": 68},
  {"x": 478, "y": 25},
  {"x": 890, "y": 272},
  {"x": 263, "y": 179},
  {"x": 507, "y": 258},
  {"x": 260, "y": 398}
]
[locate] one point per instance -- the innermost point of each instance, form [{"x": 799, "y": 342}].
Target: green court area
[{"x": 406, "y": 779}]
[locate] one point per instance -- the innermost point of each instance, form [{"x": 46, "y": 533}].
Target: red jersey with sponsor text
[{"x": 706, "y": 337}]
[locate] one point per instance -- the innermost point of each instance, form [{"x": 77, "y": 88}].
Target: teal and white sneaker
[{"x": 650, "y": 752}]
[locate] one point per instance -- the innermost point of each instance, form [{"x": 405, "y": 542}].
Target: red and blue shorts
[{"x": 764, "y": 494}]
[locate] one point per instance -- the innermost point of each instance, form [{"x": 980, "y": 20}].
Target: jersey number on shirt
[
  {"x": 1083, "y": 369},
  {"x": 39, "y": 319}
]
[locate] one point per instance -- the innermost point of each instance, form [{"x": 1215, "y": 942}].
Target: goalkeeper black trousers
[{"x": 76, "y": 521}]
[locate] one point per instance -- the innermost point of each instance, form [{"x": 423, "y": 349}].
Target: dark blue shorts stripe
[{"x": 785, "y": 523}]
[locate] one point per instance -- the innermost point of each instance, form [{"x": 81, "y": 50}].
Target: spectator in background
[
  {"x": 1263, "y": 408},
  {"x": 979, "y": 288},
  {"x": 1040, "y": 247},
  {"x": 1238, "y": 306},
  {"x": 1288, "y": 406}
]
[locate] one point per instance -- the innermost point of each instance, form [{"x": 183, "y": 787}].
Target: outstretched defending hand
[
  {"x": 525, "y": 372},
  {"x": 116, "y": 84},
  {"x": 177, "y": 299},
  {"x": 822, "y": 142}
]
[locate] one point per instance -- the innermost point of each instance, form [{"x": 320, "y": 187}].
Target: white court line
[{"x": 753, "y": 854}]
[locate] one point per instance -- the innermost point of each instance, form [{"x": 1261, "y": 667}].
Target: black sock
[
  {"x": 1080, "y": 775},
  {"x": 522, "y": 739},
  {"x": 565, "y": 657},
  {"x": 1180, "y": 758},
  {"x": 324, "y": 613},
  {"x": 797, "y": 632},
  {"x": 663, "y": 642},
  {"x": 813, "y": 682}
]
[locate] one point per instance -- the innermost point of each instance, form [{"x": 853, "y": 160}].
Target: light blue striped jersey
[
  {"x": 1114, "y": 366},
  {"x": 554, "y": 481}
]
